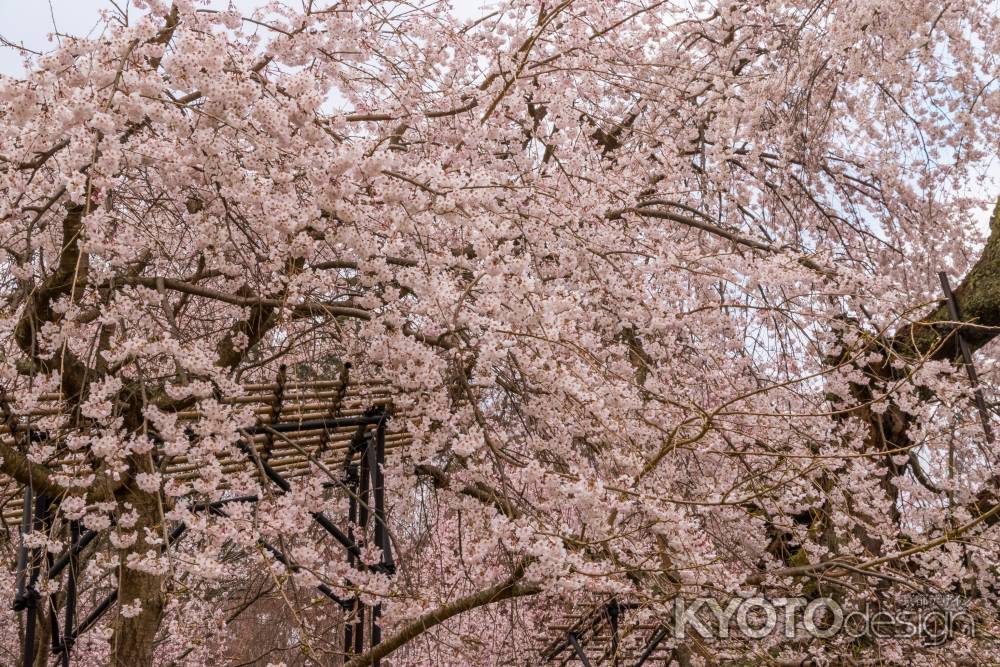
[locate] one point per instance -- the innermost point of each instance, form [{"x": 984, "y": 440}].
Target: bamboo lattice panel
[
  {"x": 636, "y": 644},
  {"x": 290, "y": 453}
]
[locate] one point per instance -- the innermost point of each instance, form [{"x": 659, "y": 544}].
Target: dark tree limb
[
  {"x": 512, "y": 587},
  {"x": 70, "y": 271}
]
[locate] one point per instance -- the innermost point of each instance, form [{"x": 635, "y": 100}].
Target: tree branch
[
  {"x": 306, "y": 308},
  {"x": 505, "y": 590},
  {"x": 479, "y": 491},
  {"x": 34, "y": 475},
  {"x": 715, "y": 229}
]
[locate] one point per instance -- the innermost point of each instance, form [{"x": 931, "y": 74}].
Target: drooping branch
[{"x": 646, "y": 210}]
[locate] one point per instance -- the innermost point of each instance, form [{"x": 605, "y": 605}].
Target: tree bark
[
  {"x": 978, "y": 298},
  {"x": 133, "y": 641}
]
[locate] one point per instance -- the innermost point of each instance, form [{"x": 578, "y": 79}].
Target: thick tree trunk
[
  {"x": 978, "y": 298},
  {"x": 134, "y": 638}
]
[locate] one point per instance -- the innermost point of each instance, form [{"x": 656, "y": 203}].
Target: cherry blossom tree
[{"x": 655, "y": 285}]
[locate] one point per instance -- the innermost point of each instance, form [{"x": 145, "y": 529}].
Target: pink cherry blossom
[{"x": 652, "y": 288}]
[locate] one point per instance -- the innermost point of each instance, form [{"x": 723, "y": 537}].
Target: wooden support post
[
  {"x": 67, "y": 640},
  {"x": 351, "y": 473},
  {"x": 578, "y": 650},
  {"x": 613, "y": 611},
  {"x": 657, "y": 637},
  {"x": 970, "y": 368},
  {"x": 364, "y": 478},
  {"x": 276, "y": 406}
]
